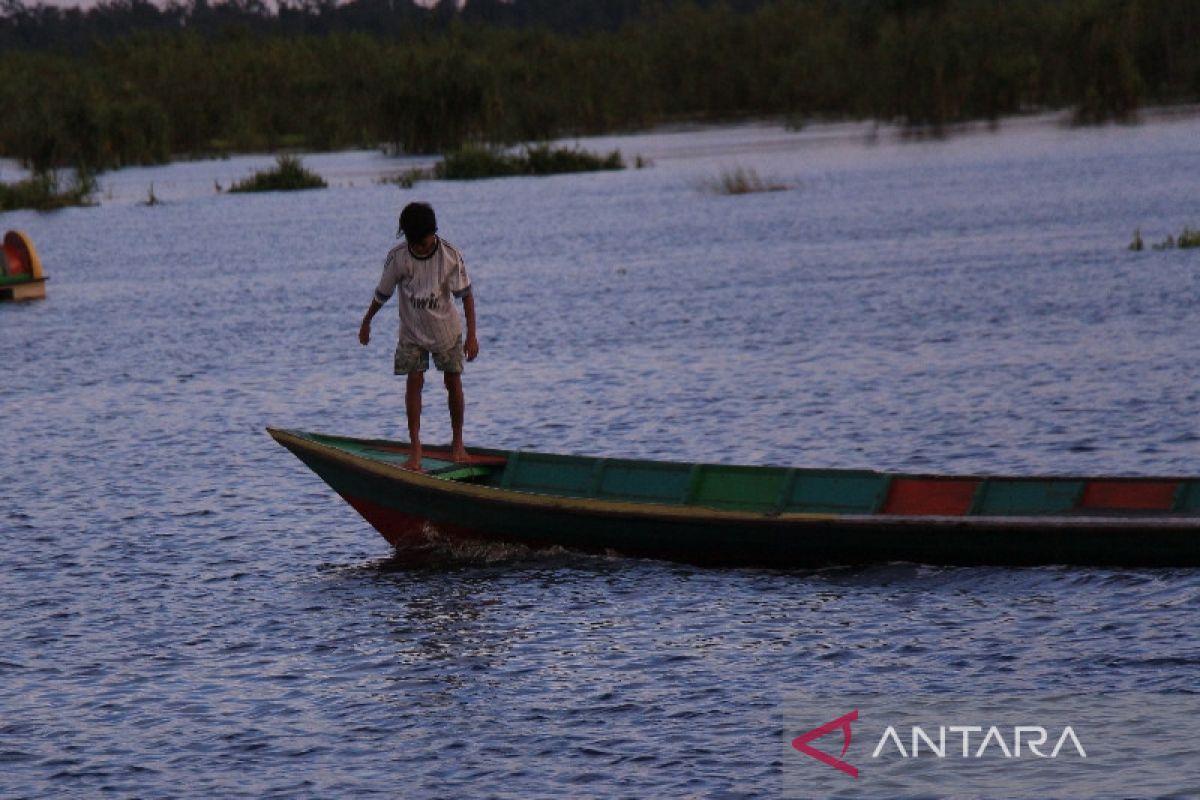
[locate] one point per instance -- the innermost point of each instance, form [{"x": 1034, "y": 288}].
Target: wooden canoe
[{"x": 768, "y": 516}]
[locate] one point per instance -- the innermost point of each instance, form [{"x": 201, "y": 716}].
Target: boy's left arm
[{"x": 471, "y": 346}]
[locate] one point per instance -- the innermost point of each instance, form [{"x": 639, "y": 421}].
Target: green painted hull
[{"x": 716, "y": 514}]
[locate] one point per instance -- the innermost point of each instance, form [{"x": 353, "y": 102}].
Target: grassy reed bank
[
  {"x": 432, "y": 84},
  {"x": 483, "y": 162},
  {"x": 46, "y": 191}
]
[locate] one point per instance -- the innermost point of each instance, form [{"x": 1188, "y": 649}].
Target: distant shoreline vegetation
[{"x": 134, "y": 83}]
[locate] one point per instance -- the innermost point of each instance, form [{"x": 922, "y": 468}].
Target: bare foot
[
  {"x": 459, "y": 455},
  {"x": 414, "y": 458}
]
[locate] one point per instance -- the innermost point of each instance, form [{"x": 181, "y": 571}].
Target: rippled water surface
[{"x": 189, "y": 611}]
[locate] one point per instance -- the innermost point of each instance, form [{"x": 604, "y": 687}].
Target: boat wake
[{"x": 435, "y": 548}]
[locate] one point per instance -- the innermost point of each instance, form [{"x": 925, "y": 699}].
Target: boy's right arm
[
  {"x": 364, "y": 330},
  {"x": 383, "y": 292},
  {"x": 387, "y": 285}
]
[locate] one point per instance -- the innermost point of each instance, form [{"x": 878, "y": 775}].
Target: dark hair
[{"x": 417, "y": 221}]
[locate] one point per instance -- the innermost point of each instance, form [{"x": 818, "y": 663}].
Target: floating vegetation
[
  {"x": 544, "y": 160},
  {"x": 409, "y": 177},
  {"x": 1190, "y": 238},
  {"x": 483, "y": 162},
  {"x": 288, "y": 175},
  {"x": 44, "y": 192},
  {"x": 740, "y": 180}
]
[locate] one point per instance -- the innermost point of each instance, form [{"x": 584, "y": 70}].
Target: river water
[{"x": 190, "y": 612}]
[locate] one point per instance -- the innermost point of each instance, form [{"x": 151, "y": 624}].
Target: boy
[{"x": 429, "y": 272}]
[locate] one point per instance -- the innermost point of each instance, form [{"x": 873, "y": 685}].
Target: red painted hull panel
[{"x": 401, "y": 529}]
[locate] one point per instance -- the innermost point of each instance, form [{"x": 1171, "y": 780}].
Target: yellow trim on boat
[{"x": 35, "y": 263}]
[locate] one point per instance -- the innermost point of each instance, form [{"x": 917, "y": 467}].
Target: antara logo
[
  {"x": 1032, "y": 739},
  {"x": 842, "y": 723}
]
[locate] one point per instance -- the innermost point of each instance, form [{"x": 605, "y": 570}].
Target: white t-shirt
[{"x": 427, "y": 285}]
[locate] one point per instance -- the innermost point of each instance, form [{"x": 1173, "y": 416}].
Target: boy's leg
[
  {"x": 412, "y": 408},
  {"x": 450, "y": 363},
  {"x": 412, "y": 361},
  {"x": 458, "y": 405}
]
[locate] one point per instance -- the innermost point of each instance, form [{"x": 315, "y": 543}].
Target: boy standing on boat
[{"x": 430, "y": 272}]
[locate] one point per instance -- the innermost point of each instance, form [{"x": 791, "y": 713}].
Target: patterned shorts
[{"x": 411, "y": 357}]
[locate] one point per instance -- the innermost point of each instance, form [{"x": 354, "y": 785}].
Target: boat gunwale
[{"x": 509, "y": 497}]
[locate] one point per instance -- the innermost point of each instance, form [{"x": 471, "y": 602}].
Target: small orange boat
[{"x": 21, "y": 275}]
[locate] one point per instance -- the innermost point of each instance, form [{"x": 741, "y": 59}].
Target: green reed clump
[
  {"x": 471, "y": 162},
  {"x": 544, "y": 160},
  {"x": 288, "y": 175},
  {"x": 740, "y": 180},
  {"x": 45, "y": 192},
  {"x": 1188, "y": 239}
]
